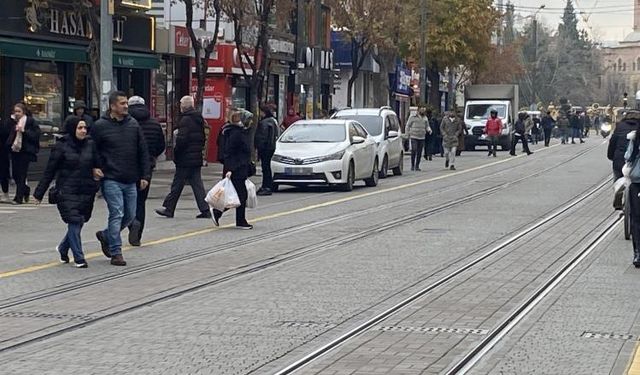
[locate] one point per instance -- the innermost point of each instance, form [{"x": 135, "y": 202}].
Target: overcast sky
[{"x": 610, "y": 20}]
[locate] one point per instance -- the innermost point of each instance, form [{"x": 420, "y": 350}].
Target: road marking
[
  {"x": 7, "y": 212},
  {"x": 634, "y": 366},
  {"x": 97, "y": 254}
]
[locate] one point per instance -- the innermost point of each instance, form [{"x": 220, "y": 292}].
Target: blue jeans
[
  {"x": 72, "y": 241},
  {"x": 122, "y": 202}
]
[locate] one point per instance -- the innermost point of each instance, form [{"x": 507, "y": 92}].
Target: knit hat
[
  {"x": 136, "y": 100},
  {"x": 79, "y": 104}
]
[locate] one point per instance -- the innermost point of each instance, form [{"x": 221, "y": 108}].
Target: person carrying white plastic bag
[
  {"x": 252, "y": 194},
  {"x": 223, "y": 195}
]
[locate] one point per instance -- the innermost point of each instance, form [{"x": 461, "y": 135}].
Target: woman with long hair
[{"x": 24, "y": 145}]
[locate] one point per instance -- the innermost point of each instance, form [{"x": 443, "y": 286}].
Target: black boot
[{"x": 636, "y": 258}]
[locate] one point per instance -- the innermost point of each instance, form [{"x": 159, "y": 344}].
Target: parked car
[
  {"x": 325, "y": 152},
  {"x": 383, "y": 125}
]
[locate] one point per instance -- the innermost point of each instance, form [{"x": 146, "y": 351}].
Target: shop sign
[
  {"x": 403, "y": 80},
  {"x": 282, "y": 46},
  {"x": 182, "y": 41}
]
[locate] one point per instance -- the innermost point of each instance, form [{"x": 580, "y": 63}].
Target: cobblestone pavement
[{"x": 260, "y": 321}]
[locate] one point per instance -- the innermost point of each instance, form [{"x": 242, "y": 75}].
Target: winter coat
[
  {"x": 548, "y": 122},
  {"x": 71, "y": 163},
  {"x": 435, "y": 127},
  {"x": 575, "y": 122},
  {"x": 451, "y": 130},
  {"x": 493, "y": 127},
  {"x": 618, "y": 143},
  {"x": 418, "y": 127},
  {"x": 237, "y": 151},
  {"x": 152, "y": 130},
  {"x": 30, "y": 137},
  {"x": 190, "y": 140},
  {"x": 122, "y": 149},
  {"x": 521, "y": 127},
  {"x": 267, "y": 134}
]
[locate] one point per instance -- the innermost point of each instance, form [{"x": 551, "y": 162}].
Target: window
[
  {"x": 395, "y": 124},
  {"x": 373, "y": 123},
  {"x": 352, "y": 131},
  {"x": 43, "y": 92},
  {"x": 361, "y": 132},
  {"x": 619, "y": 64}
]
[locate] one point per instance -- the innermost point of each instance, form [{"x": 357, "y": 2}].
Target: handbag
[{"x": 54, "y": 195}]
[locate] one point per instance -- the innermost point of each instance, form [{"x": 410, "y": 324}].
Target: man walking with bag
[
  {"x": 187, "y": 155},
  {"x": 418, "y": 128},
  {"x": 124, "y": 156}
]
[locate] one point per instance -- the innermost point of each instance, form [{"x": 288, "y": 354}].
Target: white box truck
[{"x": 479, "y": 100}]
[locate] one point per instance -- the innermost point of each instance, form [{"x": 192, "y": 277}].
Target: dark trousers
[
  {"x": 141, "y": 204},
  {"x": 241, "y": 189},
  {"x": 416, "y": 152},
  {"x": 547, "y": 137},
  {"x": 514, "y": 142},
  {"x": 184, "y": 174},
  {"x": 4, "y": 170},
  {"x": 20, "y": 166},
  {"x": 267, "y": 176},
  {"x": 634, "y": 189},
  {"x": 493, "y": 144}
]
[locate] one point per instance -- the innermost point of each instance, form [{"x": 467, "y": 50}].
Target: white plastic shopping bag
[
  {"x": 252, "y": 197},
  {"x": 223, "y": 195}
]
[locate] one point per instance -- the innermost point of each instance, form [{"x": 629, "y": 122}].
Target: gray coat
[
  {"x": 450, "y": 130},
  {"x": 418, "y": 127}
]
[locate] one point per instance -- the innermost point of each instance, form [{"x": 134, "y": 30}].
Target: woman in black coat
[
  {"x": 5, "y": 159},
  {"x": 74, "y": 165},
  {"x": 24, "y": 145},
  {"x": 237, "y": 161}
]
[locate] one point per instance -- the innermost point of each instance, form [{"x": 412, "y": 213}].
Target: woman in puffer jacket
[{"x": 74, "y": 164}]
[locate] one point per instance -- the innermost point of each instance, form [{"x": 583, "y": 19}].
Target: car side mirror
[
  {"x": 357, "y": 140},
  {"x": 393, "y": 134}
]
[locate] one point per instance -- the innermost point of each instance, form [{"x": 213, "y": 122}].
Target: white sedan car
[{"x": 325, "y": 152}]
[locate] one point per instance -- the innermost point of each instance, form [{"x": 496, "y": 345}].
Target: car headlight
[
  {"x": 278, "y": 158},
  {"x": 335, "y": 156}
]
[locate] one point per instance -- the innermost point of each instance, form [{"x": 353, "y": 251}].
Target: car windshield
[
  {"x": 314, "y": 133},
  {"x": 482, "y": 111},
  {"x": 372, "y": 123}
]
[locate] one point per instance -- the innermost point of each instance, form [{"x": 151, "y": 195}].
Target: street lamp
[{"x": 204, "y": 36}]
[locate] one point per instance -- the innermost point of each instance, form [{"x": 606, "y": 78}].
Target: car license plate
[{"x": 298, "y": 171}]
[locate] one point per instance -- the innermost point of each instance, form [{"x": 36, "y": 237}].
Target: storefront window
[
  {"x": 43, "y": 92},
  {"x": 239, "y": 97}
]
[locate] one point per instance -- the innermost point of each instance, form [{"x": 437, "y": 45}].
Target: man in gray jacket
[{"x": 417, "y": 129}]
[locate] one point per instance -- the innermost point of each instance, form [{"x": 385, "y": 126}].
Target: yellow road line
[
  {"x": 634, "y": 365},
  {"x": 269, "y": 217}
]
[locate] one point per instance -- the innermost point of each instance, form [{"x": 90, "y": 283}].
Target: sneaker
[
  {"x": 118, "y": 260},
  {"x": 104, "y": 244},
  {"x": 529, "y": 153},
  {"x": 164, "y": 212},
  {"x": 64, "y": 258},
  {"x": 82, "y": 264},
  {"x": 215, "y": 217},
  {"x": 204, "y": 215},
  {"x": 245, "y": 226},
  {"x": 134, "y": 233},
  {"x": 453, "y": 168},
  {"x": 413, "y": 168}
]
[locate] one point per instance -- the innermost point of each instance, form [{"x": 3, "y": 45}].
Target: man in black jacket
[
  {"x": 124, "y": 157},
  {"x": 80, "y": 110},
  {"x": 154, "y": 137},
  {"x": 187, "y": 155},
  {"x": 265, "y": 141},
  {"x": 619, "y": 142}
]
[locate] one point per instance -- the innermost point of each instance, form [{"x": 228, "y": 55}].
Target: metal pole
[
  {"x": 423, "y": 51},
  {"x": 106, "y": 52},
  {"x": 317, "y": 61}
]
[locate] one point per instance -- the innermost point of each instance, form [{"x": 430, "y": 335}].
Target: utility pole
[
  {"x": 423, "y": 51},
  {"x": 317, "y": 60},
  {"x": 106, "y": 52}
]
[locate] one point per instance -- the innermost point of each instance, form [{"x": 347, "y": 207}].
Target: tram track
[
  {"x": 288, "y": 231},
  {"x": 263, "y": 263}
]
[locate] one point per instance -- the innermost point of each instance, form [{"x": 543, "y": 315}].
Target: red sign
[{"x": 182, "y": 40}]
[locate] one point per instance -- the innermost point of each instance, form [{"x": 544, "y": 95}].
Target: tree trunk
[
  {"x": 350, "y": 89},
  {"x": 433, "y": 74}
]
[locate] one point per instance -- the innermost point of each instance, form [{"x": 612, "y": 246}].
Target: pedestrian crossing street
[{"x": 7, "y": 208}]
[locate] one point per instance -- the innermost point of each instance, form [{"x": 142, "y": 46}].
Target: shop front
[{"x": 281, "y": 88}]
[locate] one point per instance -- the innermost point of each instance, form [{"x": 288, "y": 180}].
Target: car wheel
[
  {"x": 397, "y": 171},
  {"x": 385, "y": 168},
  {"x": 351, "y": 176},
  {"x": 375, "y": 174}
]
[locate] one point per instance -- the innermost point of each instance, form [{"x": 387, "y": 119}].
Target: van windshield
[{"x": 482, "y": 111}]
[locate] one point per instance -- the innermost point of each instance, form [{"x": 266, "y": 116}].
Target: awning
[
  {"x": 135, "y": 60},
  {"x": 37, "y": 50}
]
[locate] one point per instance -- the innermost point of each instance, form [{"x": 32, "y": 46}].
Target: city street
[{"x": 422, "y": 274}]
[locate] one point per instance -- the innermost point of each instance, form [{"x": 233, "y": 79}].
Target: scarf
[{"x": 17, "y": 142}]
